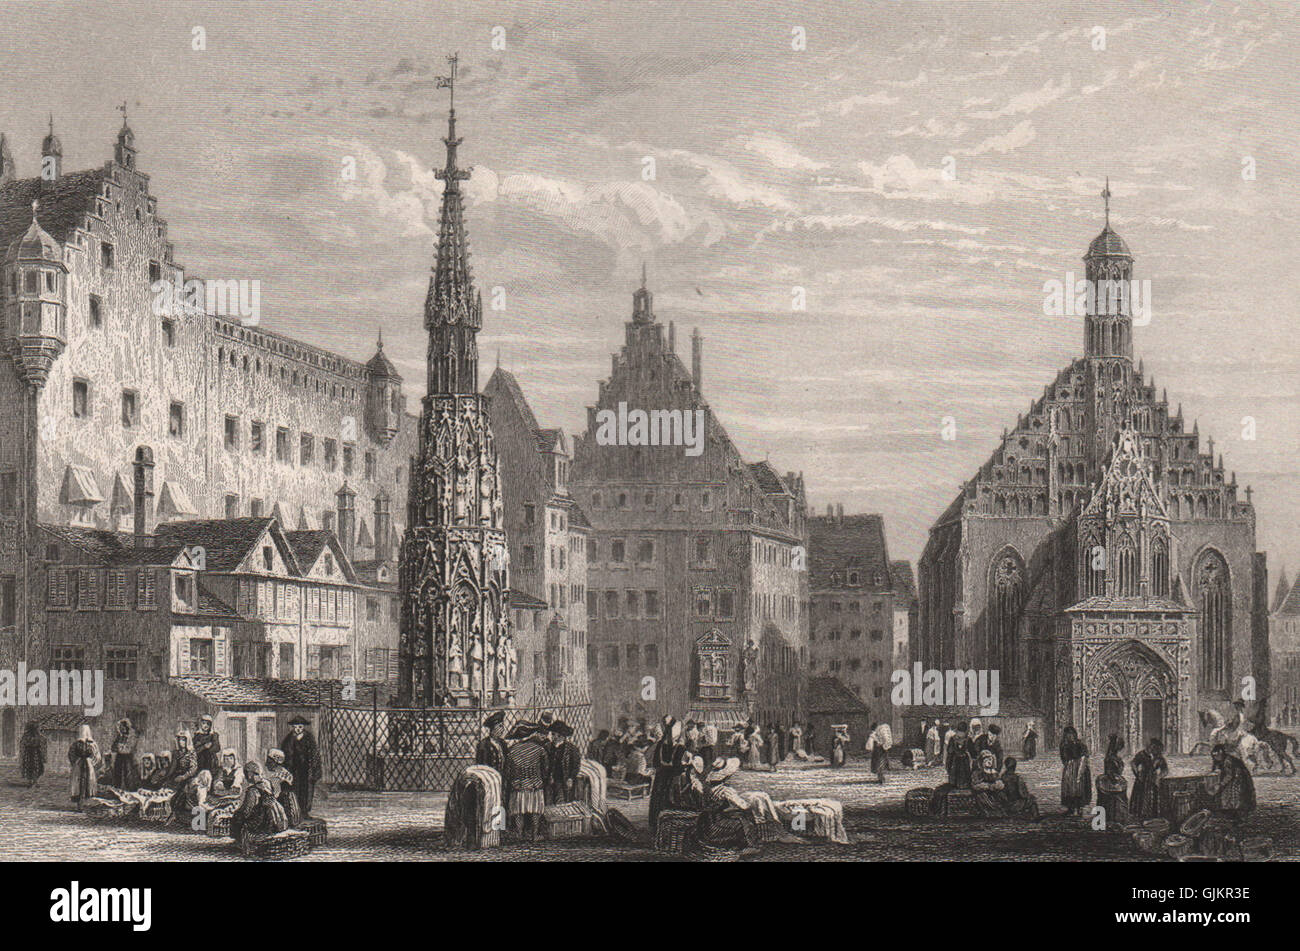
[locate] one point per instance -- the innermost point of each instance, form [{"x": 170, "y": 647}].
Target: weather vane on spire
[
  {"x": 1105, "y": 194},
  {"x": 122, "y": 109},
  {"x": 449, "y": 81}
]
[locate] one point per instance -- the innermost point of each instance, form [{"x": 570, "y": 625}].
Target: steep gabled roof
[
  {"x": 226, "y": 542},
  {"x": 854, "y": 542},
  {"x": 503, "y": 383},
  {"x": 829, "y": 695},
  {"x": 64, "y": 202},
  {"x": 308, "y": 545},
  {"x": 767, "y": 479},
  {"x": 904, "y": 581}
]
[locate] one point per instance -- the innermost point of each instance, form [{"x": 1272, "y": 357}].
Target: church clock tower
[{"x": 456, "y": 644}]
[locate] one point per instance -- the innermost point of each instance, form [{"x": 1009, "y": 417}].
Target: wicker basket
[
  {"x": 566, "y": 821},
  {"x": 1194, "y": 823},
  {"x": 101, "y": 810},
  {"x": 675, "y": 829},
  {"x": 219, "y": 828},
  {"x": 961, "y": 804},
  {"x": 1176, "y": 846},
  {"x": 315, "y": 829},
  {"x": 917, "y": 801},
  {"x": 289, "y": 844},
  {"x": 158, "y": 811},
  {"x": 1145, "y": 840},
  {"x": 1257, "y": 848}
]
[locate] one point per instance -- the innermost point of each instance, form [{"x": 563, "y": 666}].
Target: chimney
[
  {"x": 142, "y": 473},
  {"x": 830, "y": 510},
  {"x": 672, "y": 337},
  {"x": 347, "y": 517},
  {"x": 697, "y": 344},
  {"x": 839, "y": 513},
  {"x": 383, "y": 528}
]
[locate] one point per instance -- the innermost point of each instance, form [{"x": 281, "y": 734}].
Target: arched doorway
[{"x": 1130, "y": 690}]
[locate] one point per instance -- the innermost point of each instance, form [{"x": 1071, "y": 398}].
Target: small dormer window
[
  {"x": 329, "y": 563},
  {"x": 268, "y": 557}
]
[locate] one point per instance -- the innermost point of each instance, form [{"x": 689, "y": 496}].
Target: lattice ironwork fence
[{"x": 420, "y": 749}]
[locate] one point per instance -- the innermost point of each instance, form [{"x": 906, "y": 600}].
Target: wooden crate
[
  {"x": 289, "y": 844},
  {"x": 917, "y": 801},
  {"x": 617, "y": 790}
]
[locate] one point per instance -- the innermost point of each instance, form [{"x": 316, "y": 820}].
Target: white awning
[
  {"x": 79, "y": 487},
  {"x": 123, "y": 498},
  {"x": 174, "y": 500}
]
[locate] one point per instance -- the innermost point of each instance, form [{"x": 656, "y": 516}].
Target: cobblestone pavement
[{"x": 40, "y": 825}]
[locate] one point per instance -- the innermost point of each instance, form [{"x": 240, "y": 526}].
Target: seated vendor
[
  {"x": 281, "y": 781},
  {"x": 726, "y": 820},
  {"x": 635, "y": 770},
  {"x": 1019, "y": 802},
  {"x": 228, "y": 780},
  {"x": 158, "y": 778},
  {"x": 1230, "y": 786},
  {"x": 148, "y": 763},
  {"x": 988, "y": 787}
]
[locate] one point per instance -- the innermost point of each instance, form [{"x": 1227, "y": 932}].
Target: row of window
[
  {"x": 855, "y": 607},
  {"x": 854, "y": 634},
  {"x": 110, "y": 592},
  {"x": 632, "y": 656},
  {"x": 629, "y": 604},
  {"x": 650, "y": 500},
  {"x": 294, "y": 376}
]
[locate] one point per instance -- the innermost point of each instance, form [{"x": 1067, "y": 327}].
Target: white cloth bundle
[
  {"x": 827, "y": 814},
  {"x": 597, "y": 783}
]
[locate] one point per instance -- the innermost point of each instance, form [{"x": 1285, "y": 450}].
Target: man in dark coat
[
  {"x": 302, "y": 758},
  {"x": 124, "y": 775},
  {"x": 491, "y": 749},
  {"x": 528, "y": 764},
  {"x": 565, "y": 761},
  {"x": 207, "y": 746}
]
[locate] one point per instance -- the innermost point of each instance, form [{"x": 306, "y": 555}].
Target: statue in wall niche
[
  {"x": 476, "y": 665},
  {"x": 455, "y": 662},
  {"x": 749, "y": 667},
  {"x": 485, "y": 500},
  {"x": 512, "y": 661}
]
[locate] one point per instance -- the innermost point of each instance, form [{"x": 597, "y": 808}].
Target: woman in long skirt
[
  {"x": 1076, "y": 776},
  {"x": 1112, "y": 787},
  {"x": 84, "y": 757},
  {"x": 34, "y": 748},
  {"x": 1029, "y": 747},
  {"x": 1149, "y": 769}
]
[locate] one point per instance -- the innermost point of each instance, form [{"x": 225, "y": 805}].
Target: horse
[
  {"x": 1282, "y": 745},
  {"x": 1244, "y": 745}
]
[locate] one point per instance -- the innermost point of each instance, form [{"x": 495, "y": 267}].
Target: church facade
[{"x": 1102, "y": 559}]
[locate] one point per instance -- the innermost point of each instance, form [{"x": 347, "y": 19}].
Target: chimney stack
[
  {"x": 839, "y": 513},
  {"x": 142, "y": 472},
  {"x": 347, "y": 517},
  {"x": 383, "y": 528},
  {"x": 830, "y": 510},
  {"x": 697, "y": 344},
  {"x": 672, "y": 337}
]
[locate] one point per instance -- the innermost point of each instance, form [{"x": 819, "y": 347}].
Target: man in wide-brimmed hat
[
  {"x": 491, "y": 750},
  {"x": 565, "y": 762},
  {"x": 302, "y": 759},
  {"x": 528, "y": 764}
]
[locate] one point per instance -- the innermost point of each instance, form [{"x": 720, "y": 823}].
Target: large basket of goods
[
  {"x": 315, "y": 829},
  {"x": 1257, "y": 848},
  {"x": 1183, "y": 800},
  {"x": 917, "y": 801},
  {"x": 289, "y": 844},
  {"x": 961, "y": 804},
  {"x": 1144, "y": 840},
  {"x": 566, "y": 820},
  {"x": 157, "y": 811},
  {"x": 219, "y": 826},
  {"x": 675, "y": 830},
  {"x": 110, "y": 810},
  {"x": 1176, "y": 846}
]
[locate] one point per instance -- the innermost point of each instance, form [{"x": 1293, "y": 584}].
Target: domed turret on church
[
  {"x": 124, "y": 152},
  {"x": 385, "y": 406},
  {"x": 35, "y": 301},
  {"x": 1108, "y": 268}
]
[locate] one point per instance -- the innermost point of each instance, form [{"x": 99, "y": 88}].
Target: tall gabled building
[
  {"x": 548, "y": 534},
  {"x": 697, "y": 586},
  {"x": 1102, "y": 559},
  {"x": 456, "y": 644}
]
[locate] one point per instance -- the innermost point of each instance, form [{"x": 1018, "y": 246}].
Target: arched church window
[
  {"x": 1127, "y": 564},
  {"x": 1215, "y": 595},
  {"x": 1094, "y": 556},
  {"x": 1160, "y": 568},
  {"x": 1006, "y": 602}
]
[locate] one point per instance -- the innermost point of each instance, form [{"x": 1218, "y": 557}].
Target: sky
[{"x": 915, "y": 171}]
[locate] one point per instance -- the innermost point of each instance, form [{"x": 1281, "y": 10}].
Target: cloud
[
  {"x": 900, "y": 177},
  {"x": 1027, "y": 102},
  {"x": 1022, "y": 134},
  {"x": 779, "y": 152}
]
